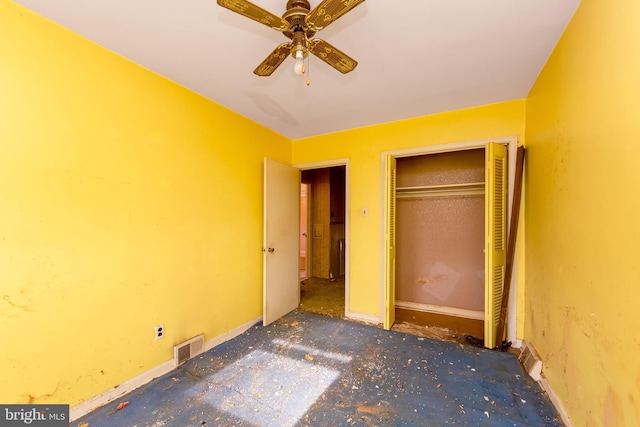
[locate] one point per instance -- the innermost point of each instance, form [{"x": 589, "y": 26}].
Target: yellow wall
[
  {"x": 125, "y": 204},
  {"x": 364, "y": 148},
  {"x": 583, "y": 215}
]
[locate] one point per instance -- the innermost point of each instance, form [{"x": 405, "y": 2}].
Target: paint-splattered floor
[{"x": 311, "y": 370}]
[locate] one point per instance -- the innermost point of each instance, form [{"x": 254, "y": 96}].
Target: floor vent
[
  {"x": 188, "y": 349},
  {"x": 531, "y": 361}
]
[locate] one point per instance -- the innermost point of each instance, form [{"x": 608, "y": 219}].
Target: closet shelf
[{"x": 468, "y": 188}]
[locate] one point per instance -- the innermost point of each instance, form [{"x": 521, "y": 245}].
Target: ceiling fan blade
[
  {"x": 273, "y": 61},
  {"x": 256, "y": 13},
  {"x": 332, "y": 56},
  {"x": 329, "y": 11}
]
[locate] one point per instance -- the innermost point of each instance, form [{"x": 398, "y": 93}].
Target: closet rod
[
  {"x": 443, "y": 186},
  {"x": 470, "y": 188},
  {"x": 449, "y": 193}
]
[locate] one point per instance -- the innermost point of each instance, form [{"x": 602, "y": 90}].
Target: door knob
[{"x": 271, "y": 250}]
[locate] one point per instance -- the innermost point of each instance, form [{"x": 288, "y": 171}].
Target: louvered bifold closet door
[
  {"x": 495, "y": 237},
  {"x": 390, "y": 242}
]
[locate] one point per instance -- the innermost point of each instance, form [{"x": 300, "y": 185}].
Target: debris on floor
[
  {"x": 434, "y": 332},
  {"x": 311, "y": 370}
]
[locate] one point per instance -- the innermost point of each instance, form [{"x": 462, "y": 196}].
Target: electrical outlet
[{"x": 159, "y": 332}]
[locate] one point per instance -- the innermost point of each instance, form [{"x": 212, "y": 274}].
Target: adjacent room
[
  {"x": 323, "y": 260},
  {"x": 142, "y": 152}
]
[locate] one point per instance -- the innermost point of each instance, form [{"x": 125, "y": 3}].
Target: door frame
[
  {"x": 308, "y": 249},
  {"x": 512, "y": 144},
  {"x": 347, "y": 222}
]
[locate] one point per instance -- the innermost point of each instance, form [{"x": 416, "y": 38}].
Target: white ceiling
[{"x": 416, "y": 57}]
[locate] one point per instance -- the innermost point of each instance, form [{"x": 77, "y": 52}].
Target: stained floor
[
  {"x": 311, "y": 370},
  {"x": 327, "y": 296},
  {"x": 322, "y": 296}
]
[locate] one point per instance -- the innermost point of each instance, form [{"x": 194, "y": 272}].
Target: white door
[{"x": 281, "y": 243}]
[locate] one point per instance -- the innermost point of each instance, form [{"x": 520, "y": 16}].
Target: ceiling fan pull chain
[{"x": 308, "y": 71}]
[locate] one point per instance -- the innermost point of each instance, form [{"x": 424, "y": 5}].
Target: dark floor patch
[
  {"x": 310, "y": 370},
  {"x": 434, "y": 332},
  {"x": 322, "y": 296},
  {"x": 460, "y": 326}
]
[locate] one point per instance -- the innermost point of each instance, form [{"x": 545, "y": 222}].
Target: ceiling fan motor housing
[
  {"x": 304, "y": 4},
  {"x": 297, "y": 10}
]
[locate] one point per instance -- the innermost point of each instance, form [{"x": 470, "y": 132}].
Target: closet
[{"x": 440, "y": 228}]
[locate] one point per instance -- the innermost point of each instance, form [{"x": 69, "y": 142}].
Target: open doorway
[{"x": 323, "y": 240}]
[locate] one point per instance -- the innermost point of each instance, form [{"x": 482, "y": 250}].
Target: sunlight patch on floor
[
  {"x": 263, "y": 388},
  {"x": 313, "y": 351}
]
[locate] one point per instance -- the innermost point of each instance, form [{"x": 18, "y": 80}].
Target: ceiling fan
[{"x": 299, "y": 23}]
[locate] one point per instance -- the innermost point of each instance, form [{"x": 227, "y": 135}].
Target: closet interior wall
[{"x": 440, "y": 231}]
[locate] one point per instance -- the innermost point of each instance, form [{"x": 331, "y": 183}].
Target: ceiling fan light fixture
[
  {"x": 298, "y": 67},
  {"x": 299, "y": 51}
]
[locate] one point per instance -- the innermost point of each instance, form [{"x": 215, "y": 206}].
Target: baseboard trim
[
  {"x": 555, "y": 401},
  {"x": 214, "y": 342},
  {"x": 366, "y": 318},
  {"x": 447, "y": 311},
  {"x": 113, "y": 393},
  {"x": 544, "y": 384}
]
